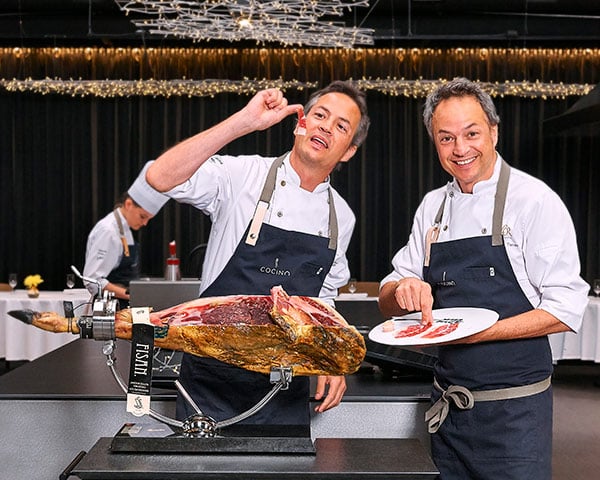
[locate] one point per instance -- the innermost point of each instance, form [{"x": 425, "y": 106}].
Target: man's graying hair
[
  {"x": 459, "y": 87},
  {"x": 359, "y": 97}
]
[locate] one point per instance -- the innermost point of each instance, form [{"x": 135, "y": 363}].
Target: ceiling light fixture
[
  {"x": 244, "y": 22},
  {"x": 289, "y": 22}
]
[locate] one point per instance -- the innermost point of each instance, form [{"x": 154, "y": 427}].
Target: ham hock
[{"x": 254, "y": 332}]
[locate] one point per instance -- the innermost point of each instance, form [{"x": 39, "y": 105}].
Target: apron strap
[
  {"x": 437, "y": 413},
  {"x": 333, "y": 224},
  {"x": 121, "y": 232},
  {"x": 265, "y": 199},
  {"x": 499, "y": 203},
  {"x": 433, "y": 232},
  {"x": 440, "y": 213},
  {"x": 263, "y": 203},
  {"x": 464, "y": 399}
]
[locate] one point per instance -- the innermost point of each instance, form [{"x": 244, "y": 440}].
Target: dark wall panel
[{"x": 64, "y": 160}]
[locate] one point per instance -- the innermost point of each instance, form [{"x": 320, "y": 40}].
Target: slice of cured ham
[
  {"x": 411, "y": 330},
  {"x": 441, "y": 330},
  {"x": 254, "y": 332},
  {"x": 438, "y": 329}
]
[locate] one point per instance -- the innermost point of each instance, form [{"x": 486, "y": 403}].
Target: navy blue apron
[
  {"x": 129, "y": 267},
  {"x": 266, "y": 256},
  {"x": 507, "y": 439}
]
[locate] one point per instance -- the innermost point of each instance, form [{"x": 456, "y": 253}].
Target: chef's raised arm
[{"x": 176, "y": 165}]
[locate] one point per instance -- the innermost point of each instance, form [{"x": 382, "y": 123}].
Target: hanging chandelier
[{"x": 289, "y": 22}]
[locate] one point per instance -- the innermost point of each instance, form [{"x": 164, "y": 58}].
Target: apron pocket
[
  {"x": 479, "y": 273},
  {"x": 312, "y": 270}
]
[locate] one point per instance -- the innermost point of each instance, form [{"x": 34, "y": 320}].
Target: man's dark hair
[
  {"x": 122, "y": 198},
  {"x": 359, "y": 97}
]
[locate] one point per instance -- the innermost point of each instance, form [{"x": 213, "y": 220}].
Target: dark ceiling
[{"x": 519, "y": 23}]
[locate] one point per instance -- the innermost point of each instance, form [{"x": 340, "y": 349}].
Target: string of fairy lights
[
  {"x": 286, "y": 69},
  {"x": 211, "y": 88},
  {"x": 153, "y": 88}
]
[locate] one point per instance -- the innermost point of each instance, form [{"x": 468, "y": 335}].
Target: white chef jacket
[
  {"x": 539, "y": 238},
  {"x": 104, "y": 249},
  {"x": 227, "y": 189}
]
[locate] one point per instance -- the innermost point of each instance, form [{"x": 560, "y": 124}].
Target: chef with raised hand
[
  {"x": 495, "y": 238},
  {"x": 112, "y": 256},
  {"x": 276, "y": 221}
]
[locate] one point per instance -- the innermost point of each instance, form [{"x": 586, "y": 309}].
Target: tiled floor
[{"x": 576, "y": 438}]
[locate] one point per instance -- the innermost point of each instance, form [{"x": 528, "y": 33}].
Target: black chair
[{"x": 196, "y": 259}]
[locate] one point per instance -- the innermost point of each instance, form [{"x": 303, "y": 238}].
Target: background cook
[{"x": 112, "y": 256}]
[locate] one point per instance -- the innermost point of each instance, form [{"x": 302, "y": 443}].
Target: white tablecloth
[
  {"x": 19, "y": 341},
  {"x": 584, "y": 345},
  {"x": 355, "y": 297}
]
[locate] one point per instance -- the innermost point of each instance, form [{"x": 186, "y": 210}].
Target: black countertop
[
  {"x": 78, "y": 370},
  {"x": 336, "y": 458}
]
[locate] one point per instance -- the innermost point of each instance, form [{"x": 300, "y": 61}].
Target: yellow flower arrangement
[{"x": 32, "y": 281}]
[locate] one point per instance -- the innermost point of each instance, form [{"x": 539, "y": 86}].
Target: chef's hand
[
  {"x": 337, "y": 388},
  {"x": 413, "y": 295},
  {"x": 267, "y": 108}
]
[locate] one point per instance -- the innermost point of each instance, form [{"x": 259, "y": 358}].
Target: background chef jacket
[
  {"x": 104, "y": 249},
  {"x": 539, "y": 238},
  {"x": 227, "y": 189}
]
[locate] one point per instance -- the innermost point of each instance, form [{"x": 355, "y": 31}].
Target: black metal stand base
[{"x": 239, "y": 439}]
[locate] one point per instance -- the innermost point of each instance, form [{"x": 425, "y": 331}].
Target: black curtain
[{"x": 66, "y": 159}]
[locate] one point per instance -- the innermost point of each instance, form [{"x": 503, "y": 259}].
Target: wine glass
[
  {"x": 70, "y": 280},
  {"x": 596, "y": 286},
  {"x": 12, "y": 280},
  {"x": 352, "y": 285}
]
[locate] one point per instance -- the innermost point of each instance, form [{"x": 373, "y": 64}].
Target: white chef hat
[{"x": 145, "y": 195}]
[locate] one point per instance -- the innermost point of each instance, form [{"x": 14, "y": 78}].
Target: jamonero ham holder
[{"x": 279, "y": 335}]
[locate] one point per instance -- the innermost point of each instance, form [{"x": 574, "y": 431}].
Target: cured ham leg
[{"x": 254, "y": 332}]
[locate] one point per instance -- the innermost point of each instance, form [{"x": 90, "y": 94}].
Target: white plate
[{"x": 471, "y": 320}]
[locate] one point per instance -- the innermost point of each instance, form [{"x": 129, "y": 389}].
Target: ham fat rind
[{"x": 254, "y": 332}]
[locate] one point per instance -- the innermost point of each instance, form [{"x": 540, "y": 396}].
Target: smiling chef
[{"x": 495, "y": 238}]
